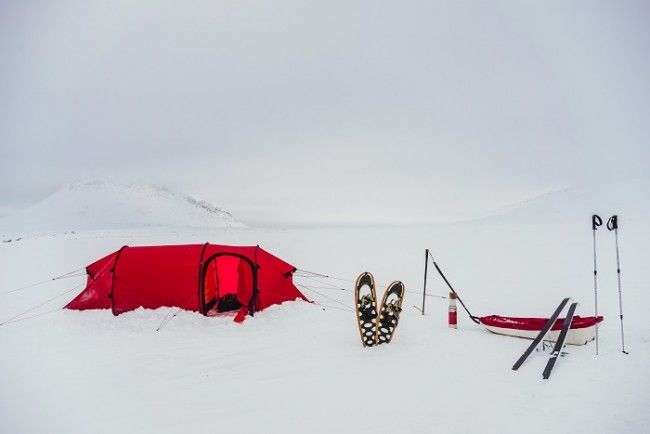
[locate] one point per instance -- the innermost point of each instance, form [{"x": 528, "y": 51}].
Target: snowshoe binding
[
  {"x": 366, "y": 308},
  {"x": 389, "y": 310}
]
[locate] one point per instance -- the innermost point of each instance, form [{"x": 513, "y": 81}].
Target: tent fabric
[
  {"x": 190, "y": 277},
  {"x": 96, "y": 295}
]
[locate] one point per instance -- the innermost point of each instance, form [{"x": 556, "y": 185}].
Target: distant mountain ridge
[{"x": 103, "y": 204}]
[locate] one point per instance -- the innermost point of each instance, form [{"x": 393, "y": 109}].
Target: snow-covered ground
[{"x": 300, "y": 367}]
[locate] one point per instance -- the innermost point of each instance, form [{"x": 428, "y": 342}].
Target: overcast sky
[{"x": 324, "y": 111}]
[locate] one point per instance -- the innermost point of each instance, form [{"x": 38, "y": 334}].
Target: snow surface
[
  {"x": 102, "y": 204},
  {"x": 300, "y": 367}
]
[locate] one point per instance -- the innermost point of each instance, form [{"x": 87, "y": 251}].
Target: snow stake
[
  {"x": 595, "y": 222},
  {"x": 612, "y": 225},
  {"x": 453, "y": 317}
]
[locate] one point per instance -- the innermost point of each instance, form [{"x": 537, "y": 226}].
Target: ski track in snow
[{"x": 300, "y": 367}]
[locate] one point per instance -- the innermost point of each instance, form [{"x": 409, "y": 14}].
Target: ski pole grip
[
  {"x": 596, "y": 221},
  {"x": 612, "y": 223}
]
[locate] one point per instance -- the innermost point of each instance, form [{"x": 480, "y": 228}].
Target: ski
[
  {"x": 560, "y": 341},
  {"x": 540, "y": 337}
]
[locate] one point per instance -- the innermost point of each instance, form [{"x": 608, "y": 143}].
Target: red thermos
[{"x": 453, "y": 319}]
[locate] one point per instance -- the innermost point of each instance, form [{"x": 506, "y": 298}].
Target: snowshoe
[
  {"x": 366, "y": 308},
  {"x": 389, "y": 310}
]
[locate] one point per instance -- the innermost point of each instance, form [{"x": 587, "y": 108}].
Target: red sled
[{"x": 583, "y": 329}]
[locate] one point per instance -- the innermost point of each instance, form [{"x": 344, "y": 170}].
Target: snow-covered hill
[
  {"x": 99, "y": 204},
  {"x": 628, "y": 198}
]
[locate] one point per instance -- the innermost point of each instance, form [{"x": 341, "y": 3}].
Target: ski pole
[
  {"x": 595, "y": 222},
  {"x": 612, "y": 225}
]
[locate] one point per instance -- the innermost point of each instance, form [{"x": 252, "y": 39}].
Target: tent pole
[{"x": 424, "y": 292}]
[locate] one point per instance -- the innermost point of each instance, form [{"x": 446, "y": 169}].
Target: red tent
[{"x": 197, "y": 277}]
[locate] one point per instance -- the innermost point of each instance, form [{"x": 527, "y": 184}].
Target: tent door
[{"x": 227, "y": 284}]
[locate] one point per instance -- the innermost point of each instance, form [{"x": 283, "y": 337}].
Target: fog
[{"x": 325, "y": 112}]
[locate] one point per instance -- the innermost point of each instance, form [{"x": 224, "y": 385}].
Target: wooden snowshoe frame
[
  {"x": 389, "y": 311},
  {"x": 365, "y": 303}
]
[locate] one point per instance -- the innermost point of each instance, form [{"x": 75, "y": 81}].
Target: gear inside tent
[{"x": 197, "y": 277}]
